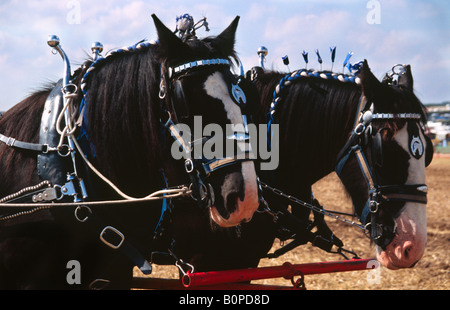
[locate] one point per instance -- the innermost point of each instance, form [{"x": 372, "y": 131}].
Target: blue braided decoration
[
  {"x": 83, "y": 137},
  {"x": 289, "y": 79}
]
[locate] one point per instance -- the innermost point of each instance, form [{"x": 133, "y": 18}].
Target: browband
[{"x": 197, "y": 63}]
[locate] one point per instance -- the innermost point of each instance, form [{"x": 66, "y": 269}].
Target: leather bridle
[
  {"x": 379, "y": 194},
  {"x": 199, "y": 169}
]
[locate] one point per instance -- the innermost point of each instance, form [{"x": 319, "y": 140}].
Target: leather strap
[{"x": 36, "y": 147}]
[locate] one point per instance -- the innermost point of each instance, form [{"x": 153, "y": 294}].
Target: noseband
[
  {"x": 360, "y": 138},
  {"x": 199, "y": 169}
]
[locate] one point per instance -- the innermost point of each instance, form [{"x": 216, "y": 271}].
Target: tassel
[
  {"x": 349, "y": 55},
  {"x": 319, "y": 59},
  {"x": 286, "y": 61},
  {"x": 305, "y": 57},
  {"x": 333, "y": 56}
]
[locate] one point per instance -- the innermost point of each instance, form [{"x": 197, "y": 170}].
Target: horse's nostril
[
  {"x": 406, "y": 250},
  {"x": 232, "y": 201}
]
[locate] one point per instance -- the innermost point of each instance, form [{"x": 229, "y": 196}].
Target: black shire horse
[
  {"x": 380, "y": 158},
  {"x": 128, "y": 101}
]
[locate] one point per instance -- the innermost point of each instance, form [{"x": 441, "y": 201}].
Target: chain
[
  {"x": 278, "y": 192},
  {"x": 18, "y": 194},
  {"x": 25, "y": 190},
  {"x": 12, "y": 216}
]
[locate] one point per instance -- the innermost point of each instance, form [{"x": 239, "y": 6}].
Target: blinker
[{"x": 238, "y": 94}]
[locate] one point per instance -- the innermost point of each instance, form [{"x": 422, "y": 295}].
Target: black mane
[
  {"x": 315, "y": 111},
  {"x": 122, "y": 101}
]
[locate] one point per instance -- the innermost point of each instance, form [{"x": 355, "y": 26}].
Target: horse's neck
[{"x": 312, "y": 132}]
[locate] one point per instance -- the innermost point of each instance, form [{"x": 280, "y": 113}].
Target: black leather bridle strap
[
  {"x": 35, "y": 147},
  {"x": 406, "y": 193}
]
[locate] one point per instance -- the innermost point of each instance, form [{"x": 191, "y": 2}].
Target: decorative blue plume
[
  {"x": 354, "y": 68},
  {"x": 286, "y": 61},
  {"x": 305, "y": 57},
  {"x": 347, "y": 58},
  {"x": 333, "y": 53},
  {"x": 333, "y": 56},
  {"x": 319, "y": 59}
]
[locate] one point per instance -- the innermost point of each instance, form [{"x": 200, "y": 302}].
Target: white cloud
[{"x": 410, "y": 31}]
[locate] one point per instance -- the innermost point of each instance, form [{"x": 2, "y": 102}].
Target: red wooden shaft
[{"x": 286, "y": 271}]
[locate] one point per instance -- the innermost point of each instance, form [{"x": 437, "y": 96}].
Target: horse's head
[
  {"x": 196, "y": 81},
  {"x": 393, "y": 154}
]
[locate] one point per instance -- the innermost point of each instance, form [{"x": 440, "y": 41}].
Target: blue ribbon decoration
[
  {"x": 333, "y": 56},
  {"x": 333, "y": 53},
  {"x": 305, "y": 57},
  {"x": 185, "y": 16},
  {"x": 347, "y": 58},
  {"x": 286, "y": 62},
  {"x": 319, "y": 59},
  {"x": 354, "y": 68}
]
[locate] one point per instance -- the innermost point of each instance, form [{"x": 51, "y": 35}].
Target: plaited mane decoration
[{"x": 290, "y": 78}]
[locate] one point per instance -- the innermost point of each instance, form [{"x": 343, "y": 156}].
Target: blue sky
[{"x": 383, "y": 32}]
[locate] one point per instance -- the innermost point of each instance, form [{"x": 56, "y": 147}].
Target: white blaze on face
[
  {"x": 216, "y": 87},
  {"x": 410, "y": 240}
]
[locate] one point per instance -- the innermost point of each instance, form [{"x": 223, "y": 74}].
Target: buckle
[
  {"x": 117, "y": 237},
  {"x": 10, "y": 142}
]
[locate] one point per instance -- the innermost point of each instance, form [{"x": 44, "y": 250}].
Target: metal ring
[
  {"x": 64, "y": 147},
  {"x": 359, "y": 129},
  {"x": 78, "y": 217},
  {"x": 401, "y": 69},
  {"x": 116, "y": 232},
  {"x": 367, "y": 229},
  {"x": 203, "y": 189},
  {"x": 373, "y": 206},
  {"x": 162, "y": 90},
  {"x": 65, "y": 89},
  {"x": 58, "y": 187},
  {"x": 189, "y": 165}
]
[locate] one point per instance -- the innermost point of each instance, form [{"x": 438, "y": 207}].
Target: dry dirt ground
[{"x": 431, "y": 273}]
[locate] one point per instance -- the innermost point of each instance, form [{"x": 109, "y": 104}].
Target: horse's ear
[
  {"x": 369, "y": 83},
  {"x": 168, "y": 41},
  {"x": 225, "y": 41},
  {"x": 406, "y": 80}
]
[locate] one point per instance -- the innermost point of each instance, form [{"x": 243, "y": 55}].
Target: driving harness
[
  {"x": 361, "y": 137},
  {"x": 55, "y": 167}
]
